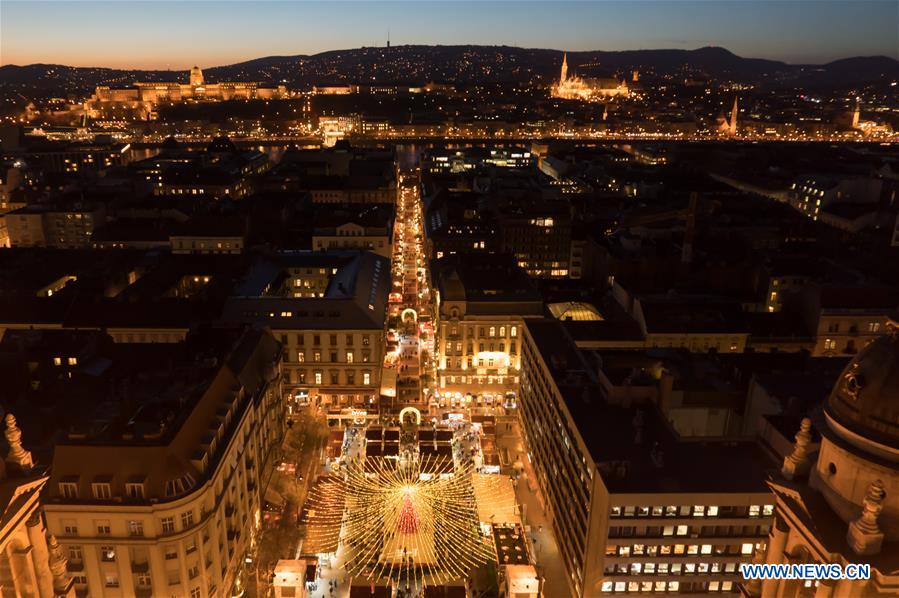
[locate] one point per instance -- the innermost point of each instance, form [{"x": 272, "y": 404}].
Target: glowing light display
[{"x": 408, "y": 521}]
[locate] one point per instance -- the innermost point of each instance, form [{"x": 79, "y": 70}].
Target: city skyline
[
  {"x": 212, "y": 33},
  {"x": 560, "y": 299}
]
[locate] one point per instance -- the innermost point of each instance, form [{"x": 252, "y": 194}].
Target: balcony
[{"x": 143, "y": 592}]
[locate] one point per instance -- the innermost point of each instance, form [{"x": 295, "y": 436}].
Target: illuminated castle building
[
  {"x": 141, "y": 99},
  {"x": 589, "y": 89}
]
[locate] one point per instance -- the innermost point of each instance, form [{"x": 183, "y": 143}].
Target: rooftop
[{"x": 634, "y": 448}]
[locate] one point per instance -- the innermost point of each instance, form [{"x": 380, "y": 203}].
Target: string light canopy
[{"x": 406, "y": 522}]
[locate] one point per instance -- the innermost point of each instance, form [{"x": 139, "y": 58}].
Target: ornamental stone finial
[
  {"x": 865, "y": 535},
  {"x": 797, "y": 462},
  {"x": 18, "y": 457},
  {"x": 61, "y": 578}
]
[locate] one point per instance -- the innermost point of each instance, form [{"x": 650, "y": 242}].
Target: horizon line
[{"x": 660, "y": 49}]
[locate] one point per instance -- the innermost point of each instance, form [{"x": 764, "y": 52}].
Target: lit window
[
  {"x": 68, "y": 489},
  {"x": 168, "y": 525},
  {"x": 102, "y": 491},
  {"x": 136, "y": 528}
]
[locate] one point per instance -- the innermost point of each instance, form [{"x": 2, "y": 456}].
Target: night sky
[{"x": 166, "y": 34}]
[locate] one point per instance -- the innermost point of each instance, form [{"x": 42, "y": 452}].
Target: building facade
[
  {"x": 571, "y": 87},
  {"x": 482, "y": 303},
  {"x": 629, "y": 508},
  {"x": 328, "y": 309},
  {"x": 838, "y": 506},
  {"x": 32, "y": 565},
  {"x": 171, "y": 507},
  {"x": 142, "y": 99}
]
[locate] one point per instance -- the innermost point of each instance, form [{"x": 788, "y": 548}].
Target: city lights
[{"x": 409, "y": 522}]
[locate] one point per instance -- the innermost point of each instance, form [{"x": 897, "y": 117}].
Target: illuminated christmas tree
[
  {"x": 408, "y": 523},
  {"x": 398, "y": 523}
]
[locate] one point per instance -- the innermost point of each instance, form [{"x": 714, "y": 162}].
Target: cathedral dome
[{"x": 865, "y": 400}]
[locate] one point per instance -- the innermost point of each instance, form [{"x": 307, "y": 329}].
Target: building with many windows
[
  {"x": 54, "y": 225},
  {"x": 142, "y": 99},
  {"x": 329, "y": 311},
  {"x": 845, "y": 318},
  {"x": 538, "y": 234},
  {"x": 630, "y": 506},
  {"x": 482, "y": 301},
  {"x": 164, "y": 495},
  {"x": 367, "y": 227}
]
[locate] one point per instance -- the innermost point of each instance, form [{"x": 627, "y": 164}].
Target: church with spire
[
  {"x": 728, "y": 126},
  {"x": 572, "y": 87},
  {"x": 839, "y": 504}
]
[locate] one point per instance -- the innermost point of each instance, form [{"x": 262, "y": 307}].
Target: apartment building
[
  {"x": 363, "y": 227},
  {"x": 482, "y": 303},
  {"x": 54, "y": 225},
  {"x": 630, "y": 510},
  {"x": 538, "y": 234},
  {"x": 843, "y": 319},
  {"x": 328, "y": 309},
  {"x": 163, "y": 496}
]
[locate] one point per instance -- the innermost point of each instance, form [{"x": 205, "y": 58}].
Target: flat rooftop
[{"x": 634, "y": 448}]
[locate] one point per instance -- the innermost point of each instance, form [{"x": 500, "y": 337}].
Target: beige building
[
  {"x": 53, "y": 226},
  {"x": 364, "y": 228},
  {"x": 32, "y": 565},
  {"x": 482, "y": 304},
  {"x": 845, "y": 319},
  {"x": 631, "y": 510},
  {"x": 839, "y": 506},
  {"x": 328, "y": 309},
  {"x": 169, "y": 503},
  {"x": 695, "y": 323},
  {"x": 142, "y": 99}
]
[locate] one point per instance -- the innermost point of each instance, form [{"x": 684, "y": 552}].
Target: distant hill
[{"x": 469, "y": 64}]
